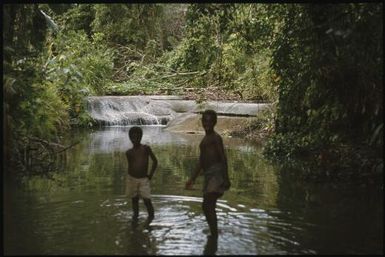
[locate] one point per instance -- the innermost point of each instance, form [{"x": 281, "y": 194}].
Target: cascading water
[
  {"x": 159, "y": 110},
  {"x": 129, "y": 110}
]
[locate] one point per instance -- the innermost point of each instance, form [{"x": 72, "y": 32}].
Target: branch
[
  {"x": 180, "y": 74},
  {"x": 45, "y": 142},
  {"x": 71, "y": 145},
  {"x": 51, "y": 144}
]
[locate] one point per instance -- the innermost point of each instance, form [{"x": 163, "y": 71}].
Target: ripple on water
[{"x": 180, "y": 227}]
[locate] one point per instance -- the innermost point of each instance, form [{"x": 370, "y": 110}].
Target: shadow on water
[
  {"x": 138, "y": 236},
  {"x": 83, "y": 209}
]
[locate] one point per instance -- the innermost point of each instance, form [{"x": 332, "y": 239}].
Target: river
[{"x": 83, "y": 208}]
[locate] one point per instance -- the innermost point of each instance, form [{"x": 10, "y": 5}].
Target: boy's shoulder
[
  {"x": 141, "y": 146},
  {"x": 217, "y": 136},
  {"x": 146, "y": 147},
  {"x": 214, "y": 137}
]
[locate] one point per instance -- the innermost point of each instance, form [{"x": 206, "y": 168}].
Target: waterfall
[
  {"x": 129, "y": 110},
  {"x": 159, "y": 110}
]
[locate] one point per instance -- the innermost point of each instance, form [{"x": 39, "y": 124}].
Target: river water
[{"x": 83, "y": 208}]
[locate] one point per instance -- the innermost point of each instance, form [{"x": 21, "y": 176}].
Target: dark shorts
[{"x": 214, "y": 179}]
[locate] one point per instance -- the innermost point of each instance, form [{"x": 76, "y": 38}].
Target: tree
[{"x": 329, "y": 62}]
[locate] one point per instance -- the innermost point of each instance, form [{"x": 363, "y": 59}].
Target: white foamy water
[{"x": 152, "y": 110}]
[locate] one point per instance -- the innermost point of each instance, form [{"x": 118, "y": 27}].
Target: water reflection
[
  {"x": 115, "y": 139},
  {"x": 84, "y": 209},
  {"x": 139, "y": 240},
  {"x": 341, "y": 216}
]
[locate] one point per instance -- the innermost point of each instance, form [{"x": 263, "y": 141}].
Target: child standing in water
[
  {"x": 138, "y": 180},
  {"x": 213, "y": 162}
]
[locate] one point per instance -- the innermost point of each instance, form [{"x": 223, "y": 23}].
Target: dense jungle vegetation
[{"x": 320, "y": 65}]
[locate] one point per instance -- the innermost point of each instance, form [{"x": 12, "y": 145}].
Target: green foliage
[
  {"x": 78, "y": 18},
  {"x": 173, "y": 19},
  {"x": 24, "y": 28},
  {"x": 321, "y": 63},
  {"x": 329, "y": 63},
  {"x": 201, "y": 47},
  {"x": 79, "y": 67},
  {"x": 46, "y": 77},
  {"x": 215, "y": 42},
  {"x": 214, "y": 45},
  {"x": 126, "y": 24},
  {"x": 258, "y": 128},
  {"x": 151, "y": 78},
  {"x": 34, "y": 105}
]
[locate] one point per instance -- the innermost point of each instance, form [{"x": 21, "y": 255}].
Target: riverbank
[
  {"x": 190, "y": 123},
  {"x": 255, "y": 129}
]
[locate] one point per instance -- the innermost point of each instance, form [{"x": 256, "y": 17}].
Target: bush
[{"x": 78, "y": 67}]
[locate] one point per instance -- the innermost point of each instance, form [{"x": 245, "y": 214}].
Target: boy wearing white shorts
[{"x": 138, "y": 179}]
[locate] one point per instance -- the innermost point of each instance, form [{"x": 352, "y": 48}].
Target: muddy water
[{"x": 83, "y": 209}]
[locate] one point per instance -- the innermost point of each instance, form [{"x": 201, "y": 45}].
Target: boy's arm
[
  {"x": 194, "y": 175},
  {"x": 154, "y": 162},
  {"x": 224, "y": 160},
  {"x": 128, "y": 158},
  {"x": 196, "y": 172}
]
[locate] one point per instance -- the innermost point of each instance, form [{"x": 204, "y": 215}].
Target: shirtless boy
[
  {"x": 213, "y": 162},
  {"x": 138, "y": 178}
]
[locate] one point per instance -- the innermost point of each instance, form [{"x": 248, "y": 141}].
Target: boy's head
[
  {"x": 209, "y": 119},
  {"x": 135, "y": 134}
]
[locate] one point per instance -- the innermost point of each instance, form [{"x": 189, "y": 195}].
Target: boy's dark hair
[
  {"x": 135, "y": 130},
  {"x": 211, "y": 113}
]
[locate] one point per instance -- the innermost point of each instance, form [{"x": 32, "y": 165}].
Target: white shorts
[{"x": 138, "y": 187}]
